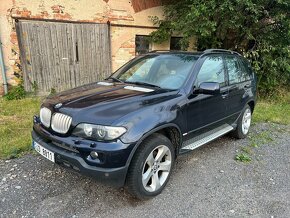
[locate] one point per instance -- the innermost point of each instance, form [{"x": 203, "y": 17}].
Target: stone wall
[{"x": 124, "y": 12}]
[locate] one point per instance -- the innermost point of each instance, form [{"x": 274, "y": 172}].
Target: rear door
[{"x": 239, "y": 86}]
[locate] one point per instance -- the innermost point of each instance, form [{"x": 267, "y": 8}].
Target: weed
[
  {"x": 35, "y": 88},
  {"x": 16, "y": 93},
  {"x": 256, "y": 140},
  {"x": 247, "y": 150},
  {"x": 260, "y": 139},
  {"x": 243, "y": 157},
  {"x": 52, "y": 91}
]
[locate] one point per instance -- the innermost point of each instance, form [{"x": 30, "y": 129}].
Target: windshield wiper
[
  {"x": 115, "y": 79},
  {"x": 143, "y": 83}
]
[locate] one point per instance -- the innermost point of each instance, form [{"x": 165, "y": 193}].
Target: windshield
[{"x": 164, "y": 71}]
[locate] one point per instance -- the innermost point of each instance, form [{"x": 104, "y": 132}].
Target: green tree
[{"x": 260, "y": 30}]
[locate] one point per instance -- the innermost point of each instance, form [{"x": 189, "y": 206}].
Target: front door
[{"x": 205, "y": 112}]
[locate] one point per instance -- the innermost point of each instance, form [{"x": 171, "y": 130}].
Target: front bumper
[{"x": 111, "y": 170}]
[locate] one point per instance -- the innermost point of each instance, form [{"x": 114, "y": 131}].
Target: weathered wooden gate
[{"x": 60, "y": 56}]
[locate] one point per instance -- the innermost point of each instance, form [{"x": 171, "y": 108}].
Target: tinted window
[
  {"x": 246, "y": 68},
  {"x": 212, "y": 70},
  {"x": 235, "y": 74}
]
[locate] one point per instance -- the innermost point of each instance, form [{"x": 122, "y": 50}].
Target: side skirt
[{"x": 202, "y": 139}]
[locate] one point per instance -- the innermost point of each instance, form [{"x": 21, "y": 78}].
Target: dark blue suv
[{"x": 129, "y": 128}]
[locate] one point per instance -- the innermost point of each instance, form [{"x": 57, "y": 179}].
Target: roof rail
[
  {"x": 155, "y": 51},
  {"x": 221, "y": 50},
  {"x": 173, "y": 51}
]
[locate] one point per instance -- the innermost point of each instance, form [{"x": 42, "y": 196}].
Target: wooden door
[{"x": 61, "y": 56}]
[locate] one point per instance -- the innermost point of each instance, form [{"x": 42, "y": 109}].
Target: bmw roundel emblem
[{"x": 58, "y": 105}]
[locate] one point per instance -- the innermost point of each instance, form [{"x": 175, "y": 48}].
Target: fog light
[{"x": 94, "y": 154}]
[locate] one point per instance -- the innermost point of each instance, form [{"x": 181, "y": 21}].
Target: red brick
[
  {"x": 65, "y": 16},
  {"x": 128, "y": 45},
  {"x": 44, "y": 14},
  {"x": 57, "y": 9},
  {"x": 13, "y": 38},
  {"x": 25, "y": 13}
]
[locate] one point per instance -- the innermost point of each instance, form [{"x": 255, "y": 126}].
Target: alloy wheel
[
  {"x": 246, "y": 121},
  {"x": 156, "y": 168}
]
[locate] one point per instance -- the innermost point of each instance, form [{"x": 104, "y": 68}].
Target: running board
[{"x": 198, "y": 141}]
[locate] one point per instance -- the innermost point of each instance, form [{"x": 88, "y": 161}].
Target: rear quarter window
[
  {"x": 234, "y": 70},
  {"x": 238, "y": 69},
  {"x": 247, "y": 70}
]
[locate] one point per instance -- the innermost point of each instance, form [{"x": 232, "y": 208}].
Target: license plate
[{"x": 43, "y": 151}]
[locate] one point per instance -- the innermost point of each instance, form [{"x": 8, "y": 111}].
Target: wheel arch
[
  {"x": 251, "y": 103},
  {"x": 170, "y": 130}
]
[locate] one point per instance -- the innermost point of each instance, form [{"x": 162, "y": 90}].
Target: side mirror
[{"x": 209, "y": 88}]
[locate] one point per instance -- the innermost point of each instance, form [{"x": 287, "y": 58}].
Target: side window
[
  {"x": 234, "y": 71},
  {"x": 246, "y": 68},
  {"x": 212, "y": 70}
]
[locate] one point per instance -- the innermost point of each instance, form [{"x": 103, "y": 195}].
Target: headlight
[
  {"x": 98, "y": 132},
  {"x": 45, "y": 116}
]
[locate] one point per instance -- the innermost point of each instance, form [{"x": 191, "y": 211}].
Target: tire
[
  {"x": 243, "y": 124},
  {"x": 151, "y": 167}
]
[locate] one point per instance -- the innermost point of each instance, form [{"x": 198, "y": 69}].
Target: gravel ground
[{"x": 207, "y": 182}]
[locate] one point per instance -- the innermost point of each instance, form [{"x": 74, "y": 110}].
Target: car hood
[{"x": 104, "y": 104}]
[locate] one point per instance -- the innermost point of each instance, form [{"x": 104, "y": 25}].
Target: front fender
[
  {"x": 143, "y": 122},
  {"x": 148, "y": 134}
]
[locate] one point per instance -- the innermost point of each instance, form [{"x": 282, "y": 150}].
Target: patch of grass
[
  {"x": 260, "y": 139},
  {"x": 275, "y": 111},
  {"x": 16, "y": 93},
  {"x": 15, "y": 125},
  {"x": 243, "y": 157},
  {"x": 255, "y": 141},
  {"x": 247, "y": 150}
]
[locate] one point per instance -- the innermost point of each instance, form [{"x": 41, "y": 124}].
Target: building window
[
  {"x": 142, "y": 44},
  {"x": 175, "y": 43}
]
